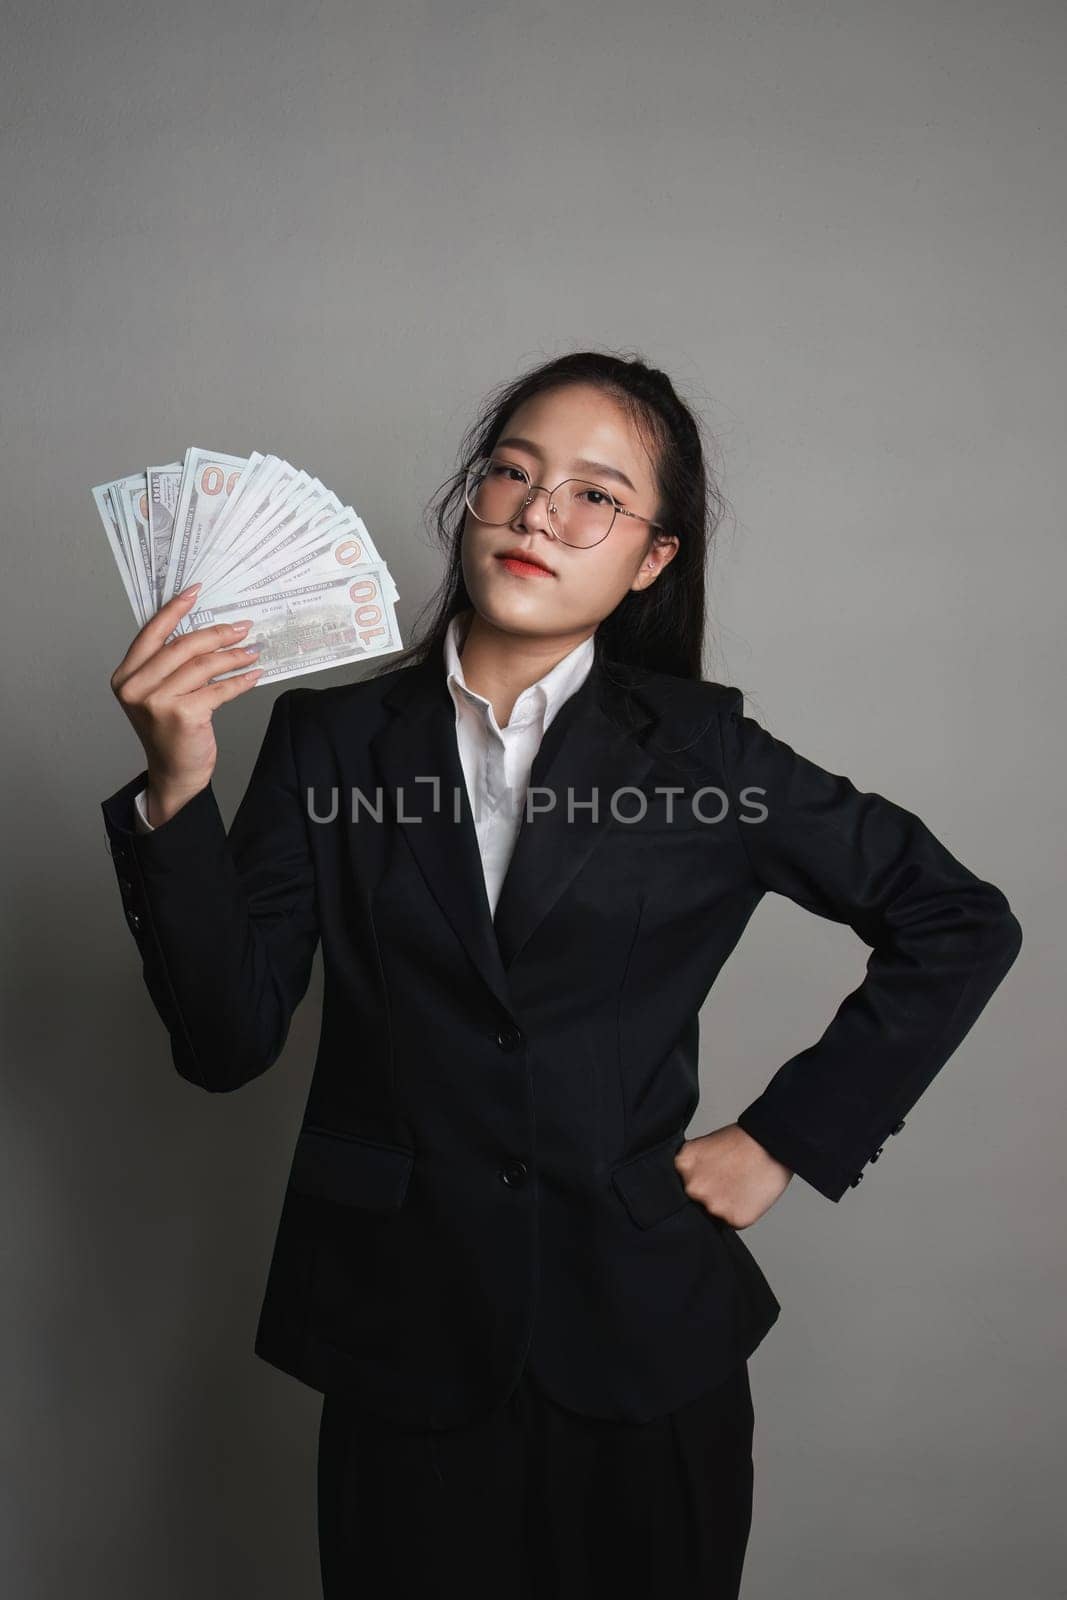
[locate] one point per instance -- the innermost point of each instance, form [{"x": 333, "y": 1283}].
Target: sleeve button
[
  {"x": 857, "y": 1179},
  {"x": 899, "y": 1125}
]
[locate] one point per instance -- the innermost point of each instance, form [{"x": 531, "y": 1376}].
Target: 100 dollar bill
[{"x": 329, "y": 623}]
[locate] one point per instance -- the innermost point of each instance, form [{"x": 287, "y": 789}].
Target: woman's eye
[{"x": 602, "y": 498}]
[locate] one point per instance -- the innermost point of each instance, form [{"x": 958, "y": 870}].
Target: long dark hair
[{"x": 661, "y": 627}]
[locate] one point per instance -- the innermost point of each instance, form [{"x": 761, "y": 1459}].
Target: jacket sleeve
[
  {"x": 941, "y": 941},
  {"x": 226, "y": 925}
]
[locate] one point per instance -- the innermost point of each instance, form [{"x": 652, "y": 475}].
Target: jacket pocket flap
[
  {"x": 649, "y": 1183},
  {"x": 350, "y": 1170}
]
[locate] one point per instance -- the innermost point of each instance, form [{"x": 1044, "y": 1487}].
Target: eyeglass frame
[{"x": 535, "y": 488}]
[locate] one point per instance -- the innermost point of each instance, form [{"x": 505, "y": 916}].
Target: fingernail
[{"x": 192, "y": 589}]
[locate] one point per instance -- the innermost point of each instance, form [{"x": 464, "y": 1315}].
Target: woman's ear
[{"x": 661, "y": 554}]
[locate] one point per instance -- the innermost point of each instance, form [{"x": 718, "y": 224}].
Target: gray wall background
[{"x": 326, "y": 230}]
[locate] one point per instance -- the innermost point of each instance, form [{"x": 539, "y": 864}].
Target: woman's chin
[{"x": 504, "y": 600}]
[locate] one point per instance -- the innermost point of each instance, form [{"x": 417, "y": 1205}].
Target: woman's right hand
[{"x": 163, "y": 686}]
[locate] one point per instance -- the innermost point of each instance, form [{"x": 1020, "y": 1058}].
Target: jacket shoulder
[
  {"x": 325, "y": 703},
  {"x": 685, "y": 709},
  {"x": 688, "y": 693}
]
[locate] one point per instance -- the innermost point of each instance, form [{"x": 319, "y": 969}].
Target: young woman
[{"x": 527, "y": 848}]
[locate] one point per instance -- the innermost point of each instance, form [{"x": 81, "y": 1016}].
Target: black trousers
[{"x": 538, "y": 1503}]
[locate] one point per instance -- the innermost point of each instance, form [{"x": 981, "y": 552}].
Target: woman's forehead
[{"x": 581, "y": 430}]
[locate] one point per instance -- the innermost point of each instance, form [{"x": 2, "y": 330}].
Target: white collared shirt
[{"x": 496, "y": 761}]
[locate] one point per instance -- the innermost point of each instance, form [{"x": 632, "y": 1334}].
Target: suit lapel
[
  {"x": 585, "y": 755},
  {"x": 589, "y": 749}
]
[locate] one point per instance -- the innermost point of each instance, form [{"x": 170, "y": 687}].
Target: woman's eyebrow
[{"x": 582, "y": 462}]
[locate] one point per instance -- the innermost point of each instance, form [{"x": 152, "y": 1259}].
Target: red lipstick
[{"x": 524, "y": 564}]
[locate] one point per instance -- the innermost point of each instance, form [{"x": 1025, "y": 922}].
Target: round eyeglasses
[{"x": 581, "y": 514}]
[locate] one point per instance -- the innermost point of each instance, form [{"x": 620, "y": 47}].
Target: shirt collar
[{"x": 541, "y": 699}]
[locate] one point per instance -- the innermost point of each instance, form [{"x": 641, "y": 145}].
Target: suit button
[
  {"x": 514, "y": 1173},
  {"x": 509, "y": 1037},
  {"x": 899, "y": 1125},
  {"x": 857, "y": 1179}
]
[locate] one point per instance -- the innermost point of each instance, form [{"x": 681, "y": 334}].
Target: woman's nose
[{"x": 535, "y": 514}]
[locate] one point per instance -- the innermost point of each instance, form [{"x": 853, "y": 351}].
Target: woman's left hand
[{"x": 731, "y": 1174}]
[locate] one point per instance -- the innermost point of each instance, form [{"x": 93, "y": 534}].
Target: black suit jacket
[{"x": 485, "y": 1175}]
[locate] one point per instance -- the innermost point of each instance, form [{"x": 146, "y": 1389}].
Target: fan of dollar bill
[{"x": 266, "y": 541}]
